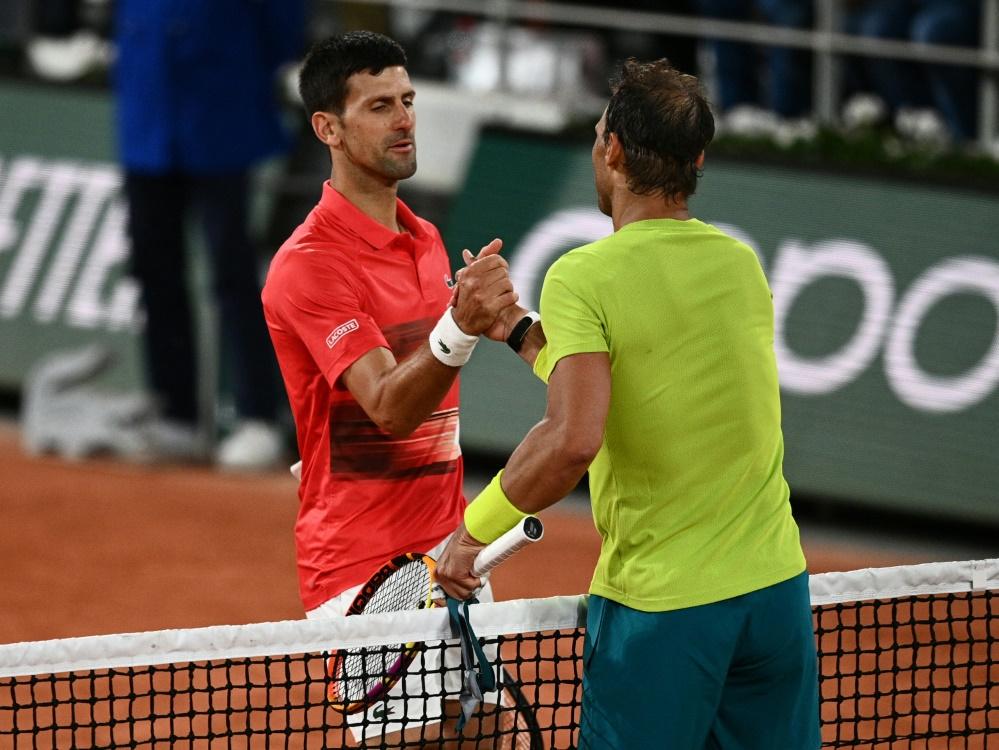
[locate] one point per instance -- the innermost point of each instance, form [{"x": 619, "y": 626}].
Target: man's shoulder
[
  {"x": 583, "y": 259},
  {"x": 315, "y": 243},
  {"x": 311, "y": 253}
]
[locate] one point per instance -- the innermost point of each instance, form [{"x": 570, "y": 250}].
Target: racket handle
[{"x": 529, "y": 530}]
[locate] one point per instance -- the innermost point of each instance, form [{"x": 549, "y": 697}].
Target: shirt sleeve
[
  {"x": 322, "y": 304},
  {"x": 571, "y": 316}
]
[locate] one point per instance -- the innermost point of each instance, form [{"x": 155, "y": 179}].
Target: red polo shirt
[{"x": 340, "y": 286}]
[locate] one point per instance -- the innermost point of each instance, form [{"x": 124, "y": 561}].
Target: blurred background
[{"x": 857, "y": 152}]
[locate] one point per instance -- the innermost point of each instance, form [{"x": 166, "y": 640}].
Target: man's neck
[
  {"x": 629, "y": 208},
  {"x": 376, "y": 199}
]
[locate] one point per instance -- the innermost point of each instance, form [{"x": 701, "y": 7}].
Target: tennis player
[
  {"x": 357, "y": 302},
  {"x": 657, "y": 347}
]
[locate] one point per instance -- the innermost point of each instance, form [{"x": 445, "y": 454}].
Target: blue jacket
[{"x": 195, "y": 81}]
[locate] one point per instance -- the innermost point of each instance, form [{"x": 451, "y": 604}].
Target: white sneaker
[
  {"x": 797, "y": 129},
  {"x": 253, "y": 446},
  {"x": 925, "y": 126},
  {"x": 171, "y": 441},
  {"x": 749, "y": 121},
  {"x": 864, "y": 111},
  {"x": 70, "y": 58}
]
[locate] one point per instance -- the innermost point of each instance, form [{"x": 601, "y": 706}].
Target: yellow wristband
[{"x": 490, "y": 515}]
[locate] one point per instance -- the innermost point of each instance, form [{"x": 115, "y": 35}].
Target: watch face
[{"x": 519, "y": 332}]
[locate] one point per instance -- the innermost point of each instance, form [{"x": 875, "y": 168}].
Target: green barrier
[
  {"x": 885, "y": 293},
  {"x": 63, "y": 244},
  {"x": 62, "y": 239}
]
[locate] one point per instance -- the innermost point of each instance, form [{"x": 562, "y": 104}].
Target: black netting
[
  {"x": 912, "y": 673},
  {"x": 281, "y": 702}
]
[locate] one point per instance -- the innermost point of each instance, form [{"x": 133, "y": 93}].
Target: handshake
[{"x": 483, "y": 301}]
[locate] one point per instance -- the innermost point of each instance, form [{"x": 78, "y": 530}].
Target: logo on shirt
[
  {"x": 340, "y": 331},
  {"x": 449, "y": 281}
]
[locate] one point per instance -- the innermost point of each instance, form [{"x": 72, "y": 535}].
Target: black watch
[{"x": 516, "y": 338}]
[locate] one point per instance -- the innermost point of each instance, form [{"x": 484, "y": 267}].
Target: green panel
[
  {"x": 62, "y": 247},
  {"x": 513, "y": 183},
  {"x": 56, "y": 122},
  {"x": 890, "y": 356}
]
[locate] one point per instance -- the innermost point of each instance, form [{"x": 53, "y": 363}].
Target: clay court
[
  {"x": 108, "y": 547},
  {"x": 103, "y": 547}
]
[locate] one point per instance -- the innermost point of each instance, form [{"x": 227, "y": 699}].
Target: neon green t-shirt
[{"x": 687, "y": 490}]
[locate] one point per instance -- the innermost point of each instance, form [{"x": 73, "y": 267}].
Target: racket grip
[{"x": 529, "y": 530}]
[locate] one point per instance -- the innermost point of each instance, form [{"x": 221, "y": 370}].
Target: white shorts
[{"x": 424, "y": 676}]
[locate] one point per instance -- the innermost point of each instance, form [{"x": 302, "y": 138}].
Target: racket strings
[
  {"x": 361, "y": 675},
  {"x": 407, "y": 588}
]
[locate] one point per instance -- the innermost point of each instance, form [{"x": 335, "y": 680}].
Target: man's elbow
[
  {"x": 395, "y": 425},
  {"x": 577, "y": 452}
]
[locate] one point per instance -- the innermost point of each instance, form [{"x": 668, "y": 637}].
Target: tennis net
[{"x": 908, "y": 658}]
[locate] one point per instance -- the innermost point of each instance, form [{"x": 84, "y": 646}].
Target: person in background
[
  {"x": 197, "y": 108},
  {"x": 656, "y": 343},
  {"x": 924, "y": 100},
  {"x": 750, "y": 95}
]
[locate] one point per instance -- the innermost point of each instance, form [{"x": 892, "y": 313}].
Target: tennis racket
[{"x": 360, "y": 677}]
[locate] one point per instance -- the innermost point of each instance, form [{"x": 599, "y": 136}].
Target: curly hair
[
  {"x": 322, "y": 82},
  {"x": 663, "y": 122}
]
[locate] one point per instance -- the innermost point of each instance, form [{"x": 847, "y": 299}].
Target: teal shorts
[{"x": 739, "y": 673}]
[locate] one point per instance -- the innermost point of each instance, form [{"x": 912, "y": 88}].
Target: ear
[
  {"x": 326, "y": 126},
  {"x": 699, "y": 161},
  {"x": 614, "y": 153}
]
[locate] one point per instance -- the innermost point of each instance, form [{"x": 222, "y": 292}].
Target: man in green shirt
[{"x": 657, "y": 347}]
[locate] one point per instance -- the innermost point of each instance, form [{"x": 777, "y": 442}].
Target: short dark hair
[
  {"x": 663, "y": 121},
  {"x": 322, "y": 81}
]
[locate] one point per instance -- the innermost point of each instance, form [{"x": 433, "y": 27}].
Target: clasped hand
[{"x": 484, "y": 301}]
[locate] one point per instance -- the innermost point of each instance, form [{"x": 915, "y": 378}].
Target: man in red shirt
[{"x": 357, "y": 304}]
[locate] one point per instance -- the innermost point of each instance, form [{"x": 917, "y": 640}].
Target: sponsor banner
[
  {"x": 62, "y": 234},
  {"x": 886, "y": 300}
]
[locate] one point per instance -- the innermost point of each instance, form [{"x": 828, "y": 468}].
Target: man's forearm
[
  {"x": 556, "y": 453},
  {"x": 533, "y": 343},
  {"x": 544, "y": 468},
  {"x": 410, "y": 392}
]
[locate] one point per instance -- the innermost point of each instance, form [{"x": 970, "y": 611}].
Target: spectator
[
  {"x": 197, "y": 108},
  {"x": 928, "y": 99},
  {"x": 785, "y": 87}
]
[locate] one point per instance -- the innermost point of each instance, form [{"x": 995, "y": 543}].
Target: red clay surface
[{"x": 106, "y": 547}]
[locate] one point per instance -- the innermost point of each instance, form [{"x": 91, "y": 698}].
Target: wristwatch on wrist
[{"x": 516, "y": 338}]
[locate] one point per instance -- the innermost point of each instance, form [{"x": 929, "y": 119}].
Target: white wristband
[{"x": 449, "y": 343}]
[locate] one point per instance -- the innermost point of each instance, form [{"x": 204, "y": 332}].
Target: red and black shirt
[{"x": 340, "y": 286}]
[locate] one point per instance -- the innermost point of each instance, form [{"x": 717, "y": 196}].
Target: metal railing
[{"x": 826, "y": 41}]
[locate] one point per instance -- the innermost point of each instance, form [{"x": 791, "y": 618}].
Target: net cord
[
  {"x": 508, "y": 617},
  {"x": 904, "y": 580},
  {"x": 281, "y": 638}
]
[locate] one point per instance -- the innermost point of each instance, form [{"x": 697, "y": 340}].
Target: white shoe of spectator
[
  {"x": 69, "y": 59},
  {"x": 173, "y": 442},
  {"x": 748, "y": 120},
  {"x": 796, "y": 129},
  {"x": 924, "y": 126},
  {"x": 253, "y": 446},
  {"x": 864, "y": 111}
]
